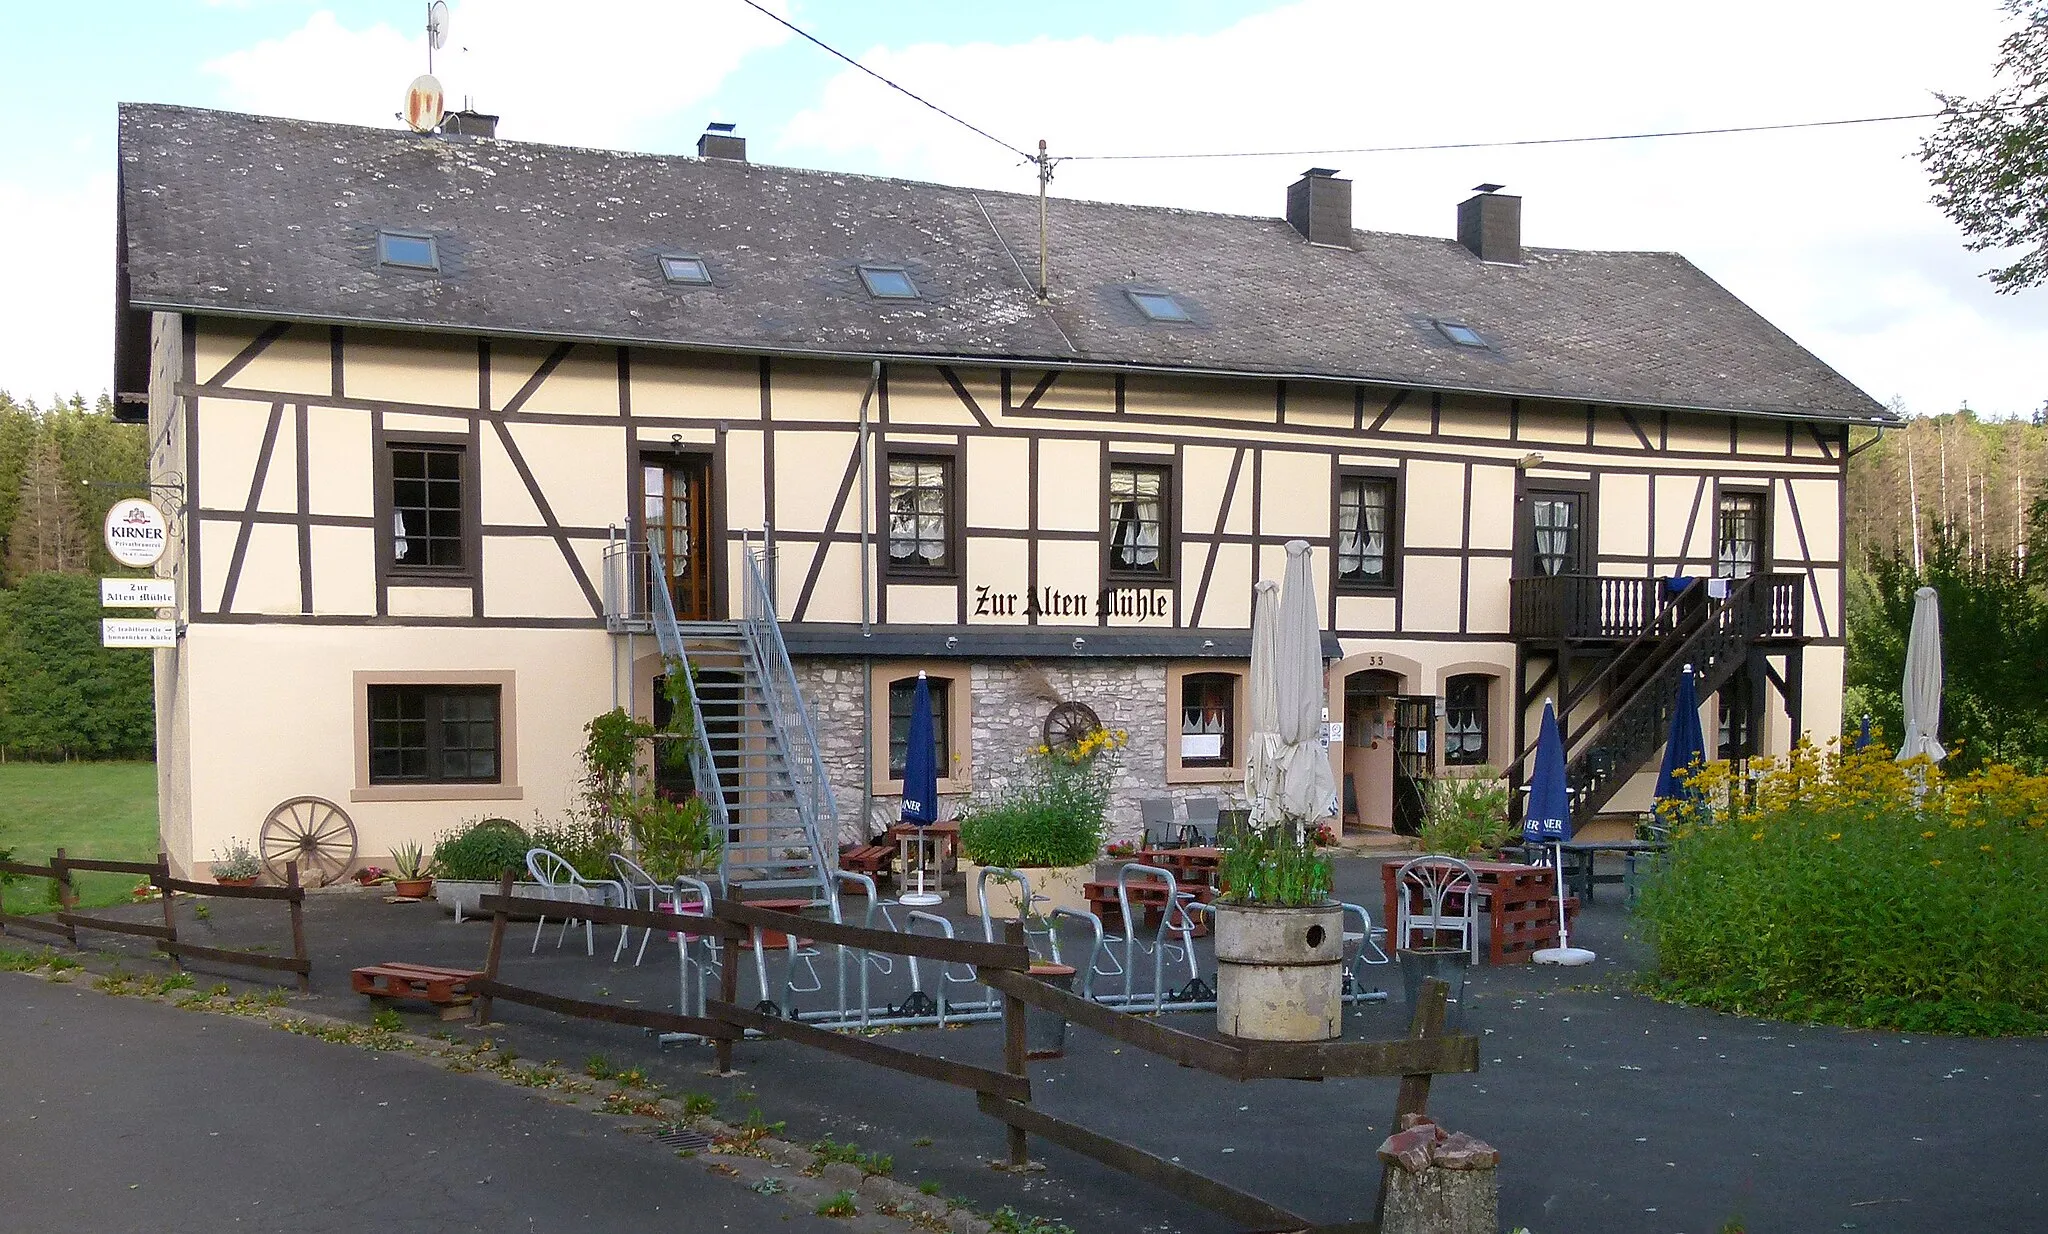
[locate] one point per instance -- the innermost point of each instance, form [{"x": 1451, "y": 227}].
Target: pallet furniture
[
  {"x": 870, "y": 859},
  {"x": 446, "y": 988},
  {"x": 1517, "y": 907},
  {"x": 1194, "y": 866},
  {"x": 1146, "y": 893}
]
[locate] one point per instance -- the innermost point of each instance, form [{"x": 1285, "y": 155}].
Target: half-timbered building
[{"x": 419, "y": 404}]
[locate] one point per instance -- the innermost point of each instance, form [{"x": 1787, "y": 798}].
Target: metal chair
[
  {"x": 642, "y": 890},
  {"x": 1439, "y": 895},
  {"x": 553, "y": 871},
  {"x": 1157, "y": 813},
  {"x": 1203, "y": 815}
]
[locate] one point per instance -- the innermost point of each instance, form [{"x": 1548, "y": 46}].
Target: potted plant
[
  {"x": 1279, "y": 937},
  {"x": 409, "y": 871},
  {"x": 469, "y": 861},
  {"x": 1047, "y": 824},
  {"x": 235, "y": 864}
]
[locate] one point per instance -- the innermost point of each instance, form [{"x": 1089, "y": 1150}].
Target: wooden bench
[
  {"x": 1148, "y": 894},
  {"x": 443, "y": 987}
]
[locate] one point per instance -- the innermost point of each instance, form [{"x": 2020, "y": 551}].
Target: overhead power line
[
  {"x": 909, "y": 94},
  {"x": 1533, "y": 141}
]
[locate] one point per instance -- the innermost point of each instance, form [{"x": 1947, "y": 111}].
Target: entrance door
[
  {"x": 1554, "y": 534},
  {"x": 677, "y": 512},
  {"x": 1414, "y": 722}
]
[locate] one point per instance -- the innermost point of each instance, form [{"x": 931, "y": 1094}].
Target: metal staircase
[
  {"x": 1621, "y": 735},
  {"x": 755, "y": 760}
]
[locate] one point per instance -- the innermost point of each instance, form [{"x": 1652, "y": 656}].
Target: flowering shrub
[
  {"x": 1052, "y": 814},
  {"x": 1848, "y": 888}
]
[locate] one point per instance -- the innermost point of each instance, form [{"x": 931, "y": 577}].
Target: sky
[{"x": 1828, "y": 233}]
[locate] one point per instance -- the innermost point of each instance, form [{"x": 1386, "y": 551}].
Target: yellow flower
[
  {"x": 1756, "y": 835},
  {"x": 1927, "y": 835},
  {"x": 1935, "y": 862},
  {"x": 1983, "y": 848},
  {"x": 1834, "y": 836}
]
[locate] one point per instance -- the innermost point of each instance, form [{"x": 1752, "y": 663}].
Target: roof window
[
  {"x": 888, "y": 282},
  {"x": 1159, "y": 306},
  {"x": 1462, "y": 334},
  {"x": 685, "y": 268},
  {"x": 408, "y": 250}
]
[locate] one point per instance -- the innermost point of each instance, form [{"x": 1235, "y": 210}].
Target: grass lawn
[{"x": 103, "y": 810}]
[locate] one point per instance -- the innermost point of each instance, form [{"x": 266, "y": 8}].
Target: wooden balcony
[{"x": 1596, "y": 608}]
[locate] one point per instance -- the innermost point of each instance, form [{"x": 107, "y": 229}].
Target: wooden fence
[
  {"x": 67, "y": 920},
  {"x": 1005, "y": 1095}
]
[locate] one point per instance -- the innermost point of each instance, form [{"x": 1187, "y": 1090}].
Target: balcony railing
[{"x": 1585, "y": 607}]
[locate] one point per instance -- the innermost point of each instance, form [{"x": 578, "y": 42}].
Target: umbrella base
[
  {"x": 1564, "y": 955},
  {"x": 920, "y": 899}
]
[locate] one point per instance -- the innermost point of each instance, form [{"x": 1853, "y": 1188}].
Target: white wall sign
[
  {"x": 138, "y": 592},
  {"x": 136, "y": 532},
  {"x": 137, "y": 632}
]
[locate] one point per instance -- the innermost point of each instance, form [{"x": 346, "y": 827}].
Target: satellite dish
[
  {"x": 437, "y": 25},
  {"x": 423, "y": 103}
]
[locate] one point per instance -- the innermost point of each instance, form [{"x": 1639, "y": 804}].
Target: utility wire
[
  {"x": 1534, "y": 141},
  {"x": 812, "y": 38}
]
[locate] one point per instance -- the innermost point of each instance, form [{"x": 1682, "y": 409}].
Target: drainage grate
[{"x": 684, "y": 1141}]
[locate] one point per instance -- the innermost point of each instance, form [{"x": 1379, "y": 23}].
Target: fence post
[
  {"x": 498, "y": 919},
  {"x": 162, "y": 879},
  {"x": 1014, "y": 1048},
  {"x": 298, "y": 907},
  {"x": 1414, "y": 1094},
  {"x": 67, "y": 896},
  {"x": 729, "y": 989}
]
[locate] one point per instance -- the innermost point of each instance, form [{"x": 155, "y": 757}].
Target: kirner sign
[{"x": 136, "y": 532}]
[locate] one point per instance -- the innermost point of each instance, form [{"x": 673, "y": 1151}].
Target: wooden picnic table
[{"x": 1517, "y": 903}]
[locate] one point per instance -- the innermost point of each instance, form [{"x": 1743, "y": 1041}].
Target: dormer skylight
[
  {"x": 888, "y": 282},
  {"x": 1159, "y": 306},
  {"x": 685, "y": 268},
  {"x": 408, "y": 250},
  {"x": 1461, "y": 334}
]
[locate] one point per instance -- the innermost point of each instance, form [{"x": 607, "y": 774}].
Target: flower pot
[
  {"x": 460, "y": 896},
  {"x": 413, "y": 888},
  {"x": 1062, "y": 887},
  {"x": 1280, "y": 972},
  {"x": 224, "y": 881}
]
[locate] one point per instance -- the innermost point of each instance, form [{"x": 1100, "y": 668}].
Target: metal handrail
[
  {"x": 668, "y": 637},
  {"x": 787, "y": 711}
]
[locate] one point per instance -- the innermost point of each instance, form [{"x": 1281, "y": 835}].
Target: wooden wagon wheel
[
  {"x": 312, "y": 831},
  {"x": 1068, "y": 723}
]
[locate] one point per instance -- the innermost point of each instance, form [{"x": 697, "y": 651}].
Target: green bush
[
  {"x": 1051, "y": 815},
  {"x": 583, "y": 842},
  {"x": 1834, "y": 896},
  {"x": 1468, "y": 815},
  {"x": 482, "y": 851},
  {"x": 672, "y": 837}
]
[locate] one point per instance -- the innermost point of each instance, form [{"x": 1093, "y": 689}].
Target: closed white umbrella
[
  {"x": 1262, "y": 757},
  {"x": 1921, "y": 689},
  {"x": 1291, "y": 779}
]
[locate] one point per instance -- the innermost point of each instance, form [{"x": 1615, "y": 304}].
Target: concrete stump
[{"x": 1438, "y": 1183}]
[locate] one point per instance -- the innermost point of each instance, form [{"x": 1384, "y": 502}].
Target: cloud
[
  {"x": 1827, "y": 232},
  {"x": 592, "y": 76}
]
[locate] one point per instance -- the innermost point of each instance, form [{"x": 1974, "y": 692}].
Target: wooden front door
[{"x": 676, "y": 508}]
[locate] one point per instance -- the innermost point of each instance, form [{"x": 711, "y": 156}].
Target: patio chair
[
  {"x": 1437, "y": 895},
  {"x": 1203, "y": 815},
  {"x": 1157, "y": 813},
  {"x": 641, "y": 890},
  {"x": 553, "y": 871}
]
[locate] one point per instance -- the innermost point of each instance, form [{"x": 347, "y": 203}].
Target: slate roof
[{"x": 272, "y": 218}]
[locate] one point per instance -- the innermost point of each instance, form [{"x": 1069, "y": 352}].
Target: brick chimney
[
  {"x": 718, "y": 142},
  {"x": 1490, "y": 224},
  {"x": 1319, "y": 207}
]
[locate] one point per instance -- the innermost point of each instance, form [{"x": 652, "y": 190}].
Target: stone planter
[
  {"x": 249, "y": 881},
  {"x": 1062, "y": 887},
  {"x": 1446, "y": 964},
  {"x": 460, "y": 896},
  {"x": 1280, "y": 972}
]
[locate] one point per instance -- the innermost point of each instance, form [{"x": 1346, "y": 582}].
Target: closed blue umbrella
[
  {"x": 1686, "y": 745},
  {"x": 921, "y": 785},
  {"x": 1863, "y": 733},
  {"x": 1549, "y": 816},
  {"x": 1549, "y": 821}
]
